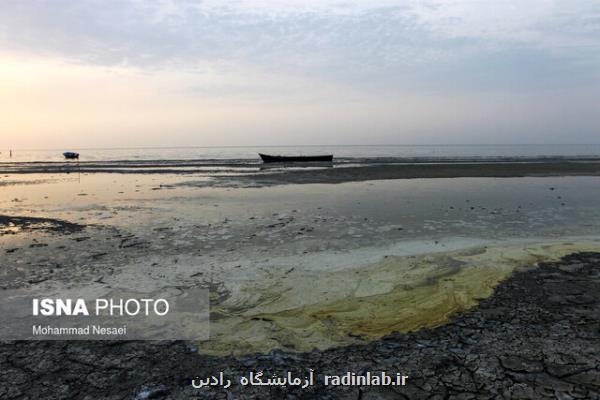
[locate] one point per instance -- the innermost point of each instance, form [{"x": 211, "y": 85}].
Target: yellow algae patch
[
  {"x": 397, "y": 294},
  {"x": 402, "y": 309}
]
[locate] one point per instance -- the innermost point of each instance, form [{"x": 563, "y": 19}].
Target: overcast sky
[{"x": 152, "y": 73}]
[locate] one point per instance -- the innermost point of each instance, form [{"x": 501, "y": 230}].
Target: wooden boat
[
  {"x": 69, "y": 155},
  {"x": 282, "y": 159}
]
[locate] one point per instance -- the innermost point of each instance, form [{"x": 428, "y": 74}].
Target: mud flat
[
  {"x": 389, "y": 275},
  {"x": 249, "y": 173},
  {"x": 14, "y": 224},
  {"x": 411, "y": 171},
  {"x": 537, "y": 336}
]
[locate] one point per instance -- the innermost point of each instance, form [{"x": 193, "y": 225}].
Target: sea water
[{"x": 250, "y": 153}]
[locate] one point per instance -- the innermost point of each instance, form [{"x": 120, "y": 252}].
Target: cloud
[
  {"x": 328, "y": 70},
  {"x": 379, "y": 42}
]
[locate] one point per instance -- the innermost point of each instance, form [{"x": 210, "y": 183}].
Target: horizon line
[{"x": 301, "y": 145}]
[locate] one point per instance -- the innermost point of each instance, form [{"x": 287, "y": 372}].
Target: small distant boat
[
  {"x": 282, "y": 159},
  {"x": 69, "y": 155}
]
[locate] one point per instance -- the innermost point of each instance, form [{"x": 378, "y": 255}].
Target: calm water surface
[{"x": 250, "y": 154}]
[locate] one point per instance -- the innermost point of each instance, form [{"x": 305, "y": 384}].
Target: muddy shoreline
[
  {"x": 257, "y": 175},
  {"x": 26, "y": 224},
  {"x": 537, "y": 336},
  {"x": 414, "y": 171}
]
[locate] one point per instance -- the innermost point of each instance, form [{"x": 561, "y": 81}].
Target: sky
[{"x": 133, "y": 73}]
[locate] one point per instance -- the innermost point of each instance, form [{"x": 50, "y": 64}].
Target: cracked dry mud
[{"x": 537, "y": 336}]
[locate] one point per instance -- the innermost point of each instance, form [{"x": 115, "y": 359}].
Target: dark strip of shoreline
[
  {"x": 413, "y": 171},
  {"x": 537, "y": 336},
  {"x": 267, "y": 175}
]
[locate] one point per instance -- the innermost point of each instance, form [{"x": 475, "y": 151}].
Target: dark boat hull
[
  {"x": 71, "y": 155},
  {"x": 282, "y": 159}
]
